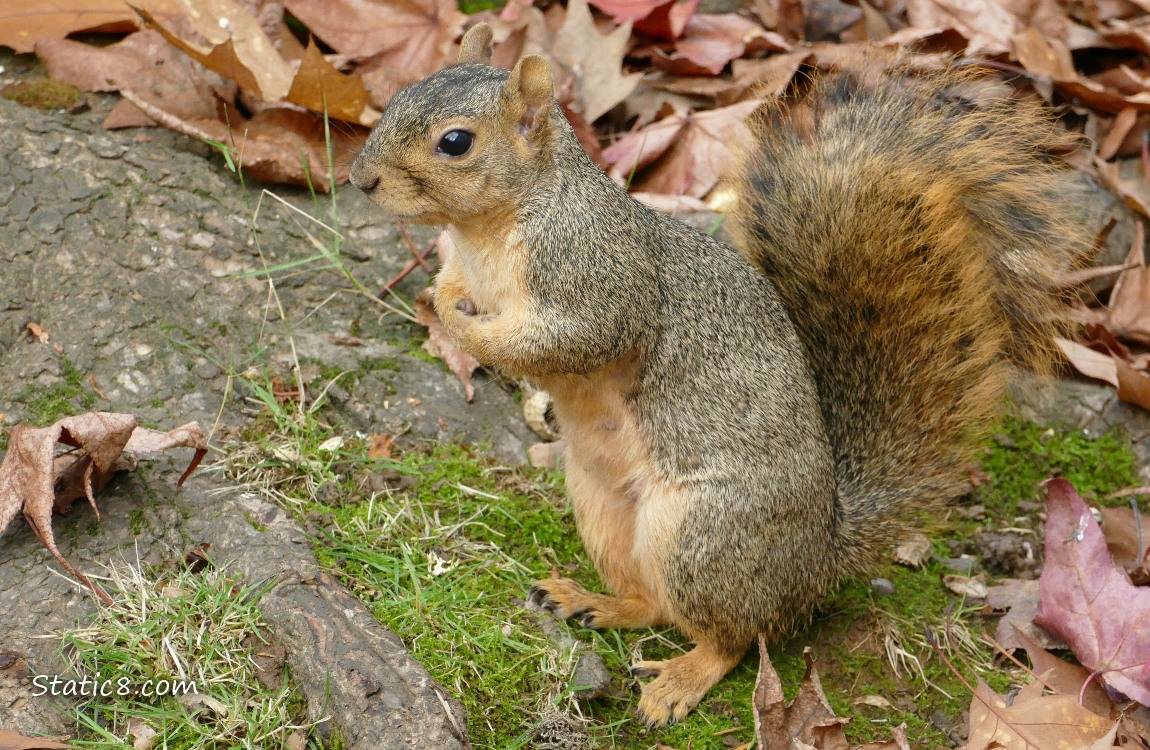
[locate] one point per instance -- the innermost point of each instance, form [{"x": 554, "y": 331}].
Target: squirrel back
[{"x": 915, "y": 236}]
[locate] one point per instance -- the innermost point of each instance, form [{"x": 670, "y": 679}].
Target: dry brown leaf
[
  {"x": 320, "y": 87},
  {"x": 713, "y": 40},
  {"x": 1032, "y": 720},
  {"x": 25, "y": 22},
  {"x": 1019, "y": 599},
  {"x": 1063, "y": 677},
  {"x": 808, "y": 719},
  {"x": 592, "y": 61},
  {"x": 382, "y": 446},
  {"x": 687, "y": 154},
  {"x": 985, "y": 24},
  {"x": 669, "y": 20},
  {"x": 13, "y": 740},
  {"x": 145, "y": 63},
  {"x": 37, "y": 481},
  {"x": 1129, "y": 309},
  {"x": 440, "y": 344},
  {"x": 226, "y": 39},
  {"x": 276, "y": 145},
  {"x": 398, "y": 41},
  {"x": 1128, "y": 539},
  {"x": 1090, "y": 363}
]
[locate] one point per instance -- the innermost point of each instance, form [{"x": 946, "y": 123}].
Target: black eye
[{"x": 455, "y": 142}]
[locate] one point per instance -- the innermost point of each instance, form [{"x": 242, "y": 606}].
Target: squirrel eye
[{"x": 455, "y": 142}]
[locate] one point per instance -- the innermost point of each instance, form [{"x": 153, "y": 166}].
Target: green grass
[{"x": 200, "y": 631}]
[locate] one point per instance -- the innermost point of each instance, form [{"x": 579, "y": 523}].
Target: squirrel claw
[
  {"x": 643, "y": 669},
  {"x": 538, "y": 597}
]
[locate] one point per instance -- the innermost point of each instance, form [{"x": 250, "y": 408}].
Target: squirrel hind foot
[{"x": 682, "y": 682}]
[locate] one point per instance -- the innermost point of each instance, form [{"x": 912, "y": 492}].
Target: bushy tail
[{"x": 915, "y": 235}]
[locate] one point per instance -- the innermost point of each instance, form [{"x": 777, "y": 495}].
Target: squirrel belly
[{"x": 746, "y": 427}]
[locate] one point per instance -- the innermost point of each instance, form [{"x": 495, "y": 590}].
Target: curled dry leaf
[
  {"x": 37, "y": 481},
  {"x": 808, "y": 721},
  {"x": 145, "y": 63},
  {"x": 398, "y": 41},
  {"x": 1086, "y": 600},
  {"x": 440, "y": 344},
  {"x": 225, "y": 38},
  {"x": 713, "y": 40},
  {"x": 25, "y": 22}
]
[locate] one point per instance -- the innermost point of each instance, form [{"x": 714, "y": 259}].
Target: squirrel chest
[{"x": 491, "y": 268}]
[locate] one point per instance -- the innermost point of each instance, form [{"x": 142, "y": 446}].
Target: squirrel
[{"x": 745, "y": 427}]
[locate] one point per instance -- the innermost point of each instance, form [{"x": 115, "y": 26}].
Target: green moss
[
  {"x": 474, "y": 6},
  {"x": 1023, "y": 454},
  {"x": 70, "y": 395},
  {"x": 43, "y": 93},
  {"x": 137, "y": 521}
]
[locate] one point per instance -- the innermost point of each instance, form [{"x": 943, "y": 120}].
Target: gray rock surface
[{"x": 134, "y": 251}]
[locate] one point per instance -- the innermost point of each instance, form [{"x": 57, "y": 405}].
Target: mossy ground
[{"x": 446, "y": 557}]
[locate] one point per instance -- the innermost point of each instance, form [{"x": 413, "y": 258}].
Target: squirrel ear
[
  {"x": 476, "y": 45},
  {"x": 528, "y": 93}
]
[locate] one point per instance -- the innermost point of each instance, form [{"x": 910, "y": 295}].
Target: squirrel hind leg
[
  {"x": 567, "y": 599},
  {"x": 684, "y": 680}
]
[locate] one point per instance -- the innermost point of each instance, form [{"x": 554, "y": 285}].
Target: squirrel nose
[{"x": 365, "y": 182}]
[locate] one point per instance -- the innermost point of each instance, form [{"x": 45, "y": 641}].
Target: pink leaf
[{"x": 1087, "y": 601}]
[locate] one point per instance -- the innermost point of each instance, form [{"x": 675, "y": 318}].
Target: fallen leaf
[
  {"x": 1019, "y": 599},
  {"x": 397, "y": 41},
  {"x": 593, "y": 61},
  {"x": 1064, "y": 677},
  {"x": 13, "y": 740},
  {"x": 34, "y": 479},
  {"x": 25, "y": 22},
  {"x": 1129, "y": 309},
  {"x": 1128, "y": 541},
  {"x": 807, "y": 719},
  {"x": 971, "y": 587},
  {"x": 440, "y": 344},
  {"x": 669, "y": 20},
  {"x": 914, "y": 551},
  {"x": 381, "y": 446},
  {"x": 1090, "y": 363},
  {"x": 148, "y": 65},
  {"x": 687, "y": 153},
  {"x": 320, "y": 87},
  {"x": 1088, "y": 602},
  {"x": 276, "y": 145},
  {"x": 713, "y": 40},
  {"x": 986, "y": 25},
  {"x": 227, "y": 39},
  {"x": 1031, "y": 720},
  {"x": 629, "y": 10}
]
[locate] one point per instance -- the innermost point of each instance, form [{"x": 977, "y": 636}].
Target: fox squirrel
[{"x": 745, "y": 427}]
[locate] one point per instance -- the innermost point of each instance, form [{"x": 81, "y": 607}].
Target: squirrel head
[{"x": 463, "y": 144}]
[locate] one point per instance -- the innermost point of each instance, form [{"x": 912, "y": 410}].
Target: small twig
[
  {"x": 411, "y": 266},
  {"x": 414, "y": 250}
]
